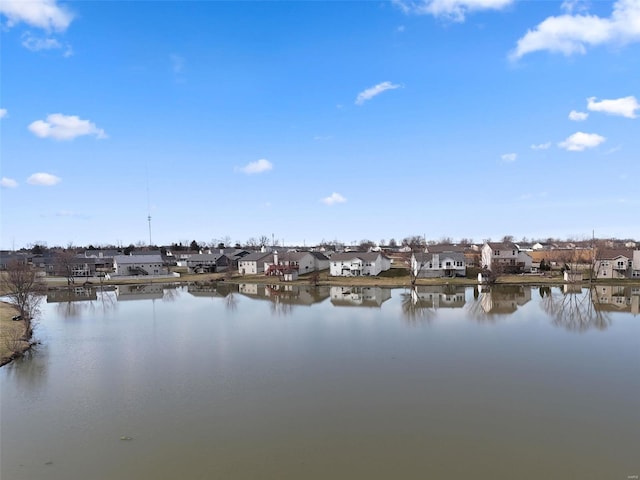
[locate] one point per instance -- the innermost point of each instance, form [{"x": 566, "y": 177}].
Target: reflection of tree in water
[
  {"x": 417, "y": 310},
  {"x": 231, "y": 302},
  {"x": 30, "y": 370},
  {"x": 478, "y": 309},
  {"x": 76, "y": 301},
  {"x": 170, "y": 294},
  {"x": 577, "y": 311}
]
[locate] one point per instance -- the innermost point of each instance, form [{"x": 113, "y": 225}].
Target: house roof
[
  {"x": 366, "y": 256},
  {"x": 125, "y": 259},
  {"x": 502, "y": 245},
  {"x": 611, "y": 253},
  {"x": 255, "y": 257},
  {"x": 427, "y": 256}
]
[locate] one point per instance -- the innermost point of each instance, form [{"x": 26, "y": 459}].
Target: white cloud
[
  {"x": 580, "y": 141},
  {"x": 454, "y": 10},
  {"x": 569, "y": 34},
  {"x": 541, "y": 146},
  {"x": 36, "y": 44},
  {"x": 333, "y": 199},
  {"x": 3, "y": 112},
  {"x": 259, "y": 166},
  {"x": 509, "y": 157},
  {"x": 578, "y": 116},
  {"x": 8, "y": 182},
  {"x": 625, "y": 107},
  {"x": 369, "y": 93},
  {"x": 45, "y": 14},
  {"x": 401, "y": 28},
  {"x": 45, "y": 179},
  {"x": 65, "y": 127}
]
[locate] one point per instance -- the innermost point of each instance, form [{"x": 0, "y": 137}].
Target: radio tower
[{"x": 148, "y": 206}]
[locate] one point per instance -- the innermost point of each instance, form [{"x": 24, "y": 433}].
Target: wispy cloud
[
  {"x": 580, "y": 141},
  {"x": 44, "y": 14},
  {"x": 624, "y": 107},
  {"x": 3, "y": 112},
  {"x": 371, "y": 92},
  {"x": 578, "y": 116},
  {"x": 259, "y": 166},
  {"x": 43, "y": 179},
  {"x": 453, "y": 10},
  {"x": 569, "y": 34},
  {"x": 8, "y": 183},
  {"x": 541, "y": 146},
  {"x": 36, "y": 44},
  {"x": 509, "y": 157},
  {"x": 65, "y": 127},
  {"x": 333, "y": 199},
  {"x": 322, "y": 137}
]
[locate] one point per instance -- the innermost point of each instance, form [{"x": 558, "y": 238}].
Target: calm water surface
[{"x": 254, "y": 382}]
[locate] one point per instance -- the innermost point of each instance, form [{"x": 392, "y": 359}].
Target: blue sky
[{"x": 318, "y": 120}]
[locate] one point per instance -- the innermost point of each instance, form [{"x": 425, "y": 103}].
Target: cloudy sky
[{"x": 318, "y": 120}]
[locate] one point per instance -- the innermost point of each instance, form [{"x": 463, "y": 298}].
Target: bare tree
[
  {"x": 366, "y": 245},
  {"x": 64, "y": 262},
  {"x": 24, "y": 289}
]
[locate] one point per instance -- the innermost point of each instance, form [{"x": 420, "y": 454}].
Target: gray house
[
  {"x": 208, "y": 263},
  {"x": 138, "y": 265}
]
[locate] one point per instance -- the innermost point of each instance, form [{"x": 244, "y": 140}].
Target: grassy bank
[{"x": 10, "y": 334}]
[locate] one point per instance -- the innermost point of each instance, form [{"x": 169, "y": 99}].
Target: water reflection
[
  {"x": 152, "y": 291},
  {"x": 575, "y": 309},
  {"x": 73, "y": 302},
  {"x": 30, "y": 371},
  {"x": 421, "y": 303},
  {"x": 359, "y": 296},
  {"x": 283, "y": 297}
]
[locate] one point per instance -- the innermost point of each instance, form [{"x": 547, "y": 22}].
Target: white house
[
  {"x": 504, "y": 257},
  {"x": 438, "y": 265},
  {"x": 138, "y": 265},
  {"x": 355, "y": 264}
]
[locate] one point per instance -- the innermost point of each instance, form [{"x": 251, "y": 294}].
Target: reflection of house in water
[
  {"x": 501, "y": 299},
  {"x": 438, "y": 296},
  {"x": 72, "y": 294},
  {"x": 359, "y": 296},
  {"x": 285, "y": 293},
  {"x": 151, "y": 291},
  {"x": 616, "y": 298},
  {"x": 212, "y": 289}
]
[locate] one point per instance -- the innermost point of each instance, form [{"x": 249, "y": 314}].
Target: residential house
[
  {"x": 438, "y": 296},
  {"x": 504, "y": 257},
  {"x": 138, "y": 265},
  {"x": 207, "y": 263},
  {"x": 287, "y": 262},
  {"x": 253, "y": 264},
  {"x": 616, "y": 263},
  {"x": 354, "y": 264},
  {"x": 438, "y": 265}
]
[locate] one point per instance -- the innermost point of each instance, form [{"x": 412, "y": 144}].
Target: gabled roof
[
  {"x": 502, "y": 245},
  {"x": 255, "y": 257},
  {"x": 125, "y": 259},
  {"x": 612, "y": 253},
  {"x": 365, "y": 256}
]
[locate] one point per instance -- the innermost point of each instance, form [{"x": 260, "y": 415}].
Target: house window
[
  {"x": 497, "y": 252},
  {"x": 513, "y": 252}
]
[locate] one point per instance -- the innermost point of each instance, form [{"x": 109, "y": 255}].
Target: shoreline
[
  {"x": 397, "y": 281},
  {"x": 12, "y": 346}
]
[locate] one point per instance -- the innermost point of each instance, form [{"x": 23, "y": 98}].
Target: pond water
[{"x": 291, "y": 382}]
